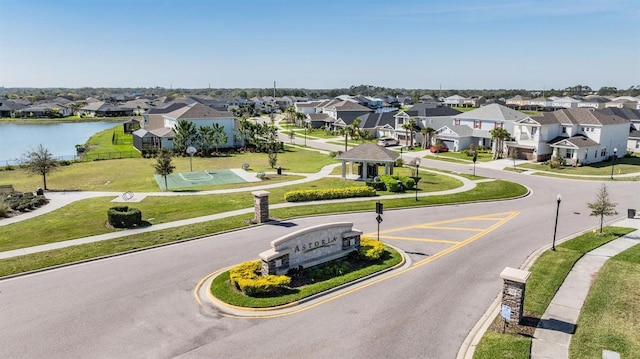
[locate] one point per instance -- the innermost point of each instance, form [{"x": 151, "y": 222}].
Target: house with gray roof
[
  {"x": 633, "y": 115},
  {"x": 578, "y": 135},
  {"x": 485, "y": 119},
  {"x": 428, "y": 114},
  {"x": 455, "y": 137}
]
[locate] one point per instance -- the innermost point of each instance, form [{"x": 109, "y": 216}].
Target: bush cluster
[
  {"x": 392, "y": 185},
  {"x": 312, "y": 195},
  {"x": 370, "y": 249},
  {"x": 247, "y": 279},
  {"x": 124, "y": 217},
  {"x": 23, "y": 202},
  {"x": 329, "y": 270}
]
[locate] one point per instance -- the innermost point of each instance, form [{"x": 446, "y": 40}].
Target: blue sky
[{"x": 320, "y": 44}]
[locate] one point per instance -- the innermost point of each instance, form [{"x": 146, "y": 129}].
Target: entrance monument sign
[{"x": 310, "y": 246}]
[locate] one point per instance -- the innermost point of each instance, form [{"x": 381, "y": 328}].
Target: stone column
[
  {"x": 261, "y": 206},
  {"x": 513, "y": 288}
]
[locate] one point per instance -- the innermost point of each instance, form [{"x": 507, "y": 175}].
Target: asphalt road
[{"x": 142, "y": 305}]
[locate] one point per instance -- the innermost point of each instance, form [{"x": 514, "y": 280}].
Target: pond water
[{"x": 59, "y": 138}]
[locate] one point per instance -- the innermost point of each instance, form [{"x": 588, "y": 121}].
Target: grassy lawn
[
  {"x": 547, "y": 274},
  {"x": 100, "y": 146},
  {"x": 482, "y": 156},
  {"x": 93, "y": 221},
  {"x": 222, "y": 289},
  {"x": 610, "y": 316},
  {"x": 117, "y": 175},
  {"x": 623, "y": 166}
]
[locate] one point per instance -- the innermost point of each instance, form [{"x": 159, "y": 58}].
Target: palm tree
[
  {"x": 499, "y": 135},
  {"x": 427, "y": 134}
]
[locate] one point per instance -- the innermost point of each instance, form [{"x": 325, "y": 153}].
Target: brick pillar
[
  {"x": 261, "y": 206},
  {"x": 515, "y": 281}
]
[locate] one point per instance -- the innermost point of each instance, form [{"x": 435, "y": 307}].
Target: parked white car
[{"x": 387, "y": 141}]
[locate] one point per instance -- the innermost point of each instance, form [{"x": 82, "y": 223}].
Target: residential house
[
  {"x": 138, "y": 106},
  {"x": 338, "y": 110},
  {"x": 474, "y": 101},
  {"x": 306, "y": 107},
  {"x": 633, "y": 115},
  {"x": 425, "y": 115},
  {"x": 485, "y": 119},
  {"x": 153, "y": 119},
  {"x": 540, "y": 103},
  {"x": 623, "y": 103},
  {"x": 44, "y": 110},
  {"x": 579, "y": 135},
  {"x": 454, "y": 101},
  {"x": 518, "y": 101},
  {"x": 8, "y": 108},
  {"x": 103, "y": 109},
  {"x": 594, "y": 102},
  {"x": 197, "y": 113},
  {"x": 455, "y": 137},
  {"x": 565, "y": 102}
]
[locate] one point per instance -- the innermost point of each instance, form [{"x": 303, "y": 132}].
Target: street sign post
[{"x": 379, "y": 210}]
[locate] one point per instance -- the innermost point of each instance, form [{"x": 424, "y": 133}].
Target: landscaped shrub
[
  {"x": 4, "y": 207},
  {"x": 124, "y": 217},
  {"x": 391, "y": 182},
  {"x": 370, "y": 249},
  {"x": 246, "y": 278},
  {"x": 24, "y": 201},
  {"x": 378, "y": 186},
  {"x": 321, "y": 194}
]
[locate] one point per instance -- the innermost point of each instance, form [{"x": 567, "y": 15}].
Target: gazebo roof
[{"x": 369, "y": 152}]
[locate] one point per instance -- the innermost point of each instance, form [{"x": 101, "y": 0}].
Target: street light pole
[
  {"x": 553, "y": 245},
  {"x": 416, "y": 177},
  {"x": 615, "y": 151}
]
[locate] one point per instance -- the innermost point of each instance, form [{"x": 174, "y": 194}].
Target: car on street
[{"x": 387, "y": 141}]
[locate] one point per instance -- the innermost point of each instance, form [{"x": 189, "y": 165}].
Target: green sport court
[{"x": 199, "y": 178}]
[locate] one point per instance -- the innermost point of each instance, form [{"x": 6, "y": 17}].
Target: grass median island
[
  {"x": 484, "y": 191},
  {"x": 222, "y": 289},
  {"x": 547, "y": 274}
]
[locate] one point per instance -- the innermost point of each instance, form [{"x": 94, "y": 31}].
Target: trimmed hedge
[
  {"x": 312, "y": 194},
  {"x": 124, "y": 217},
  {"x": 370, "y": 249},
  {"x": 245, "y": 277},
  {"x": 391, "y": 182}
]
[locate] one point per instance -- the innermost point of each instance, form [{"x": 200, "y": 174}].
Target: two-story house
[
  {"x": 425, "y": 115},
  {"x": 578, "y": 135},
  {"x": 197, "y": 113},
  {"x": 454, "y": 101},
  {"x": 485, "y": 119}
]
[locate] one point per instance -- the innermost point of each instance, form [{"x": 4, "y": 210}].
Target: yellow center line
[
  {"x": 421, "y": 239},
  {"x": 458, "y": 245},
  {"x": 453, "y": 228}
]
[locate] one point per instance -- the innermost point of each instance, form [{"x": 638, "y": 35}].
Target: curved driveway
[{"x": 141, "y": 305}]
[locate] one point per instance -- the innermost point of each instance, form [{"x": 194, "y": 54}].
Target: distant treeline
[{"x": 75, "y": 94}]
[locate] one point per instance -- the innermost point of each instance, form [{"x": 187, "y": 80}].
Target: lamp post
[
  {"x": 613, "y": 160},
  {"x": 416, "y": 177},
  {"x": 553, "y": 245}
]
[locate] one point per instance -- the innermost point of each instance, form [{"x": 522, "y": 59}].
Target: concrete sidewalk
[
  {"x": 63, "y": 199},
  {"x": 557, "y": 325}
]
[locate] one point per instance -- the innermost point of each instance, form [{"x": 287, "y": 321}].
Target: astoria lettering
[{"x": 308, "y": 247}]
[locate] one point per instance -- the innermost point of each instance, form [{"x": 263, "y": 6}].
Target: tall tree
[
  {"x": 186, "y": 135},
  {"x": 205, "y": 139},
  {"x": 602, "y": 205},
  {"x": 219, "y": 136},
  {"x": 163, "y": 165},
  {"x": 427, "y": 134},
  {"x": 499, "y": 135},
  {"x": 40, "y": 162}
]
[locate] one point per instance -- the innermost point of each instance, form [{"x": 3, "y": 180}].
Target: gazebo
[{"x": 369, "y": 156}]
